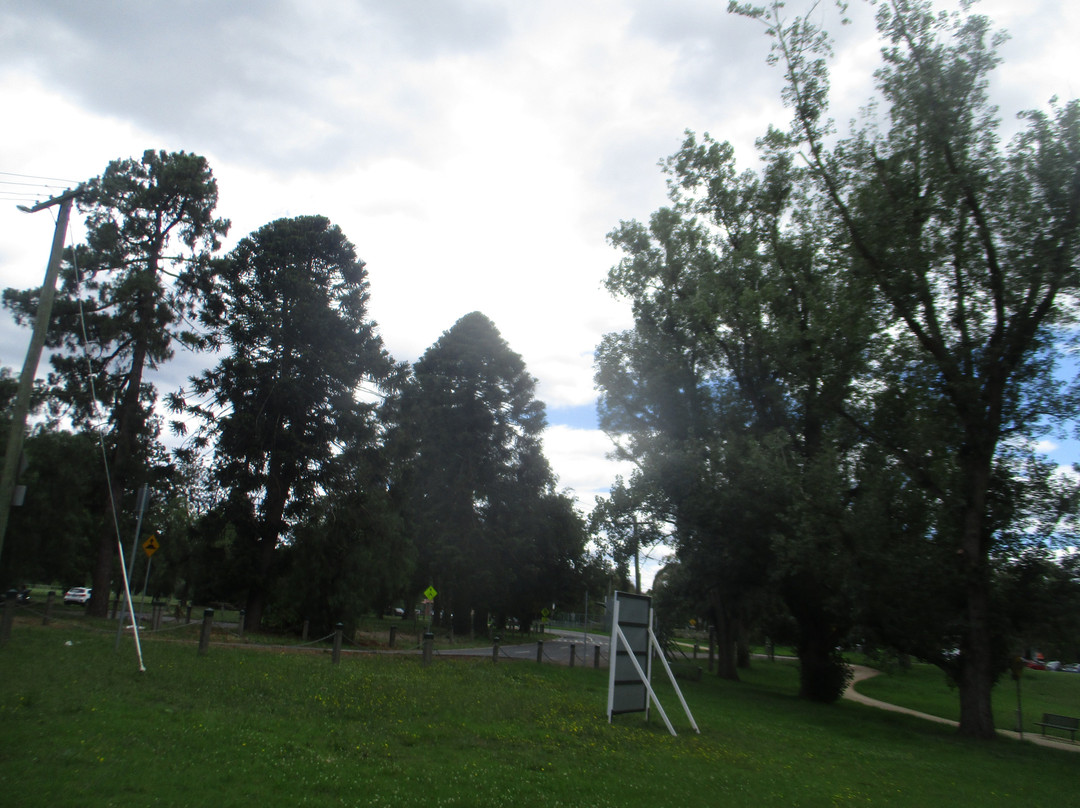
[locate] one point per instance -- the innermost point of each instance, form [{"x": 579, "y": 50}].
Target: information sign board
[{"x": 628, "y": 691}]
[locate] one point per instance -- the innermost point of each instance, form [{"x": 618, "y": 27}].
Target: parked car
[
  {"x": 1053, "y": 666},
  {"x": 1073, "y": 668},
  {"x": 77, "y": 594}
]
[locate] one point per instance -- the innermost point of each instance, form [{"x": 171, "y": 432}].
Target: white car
[{"x": 77, "y": 594}]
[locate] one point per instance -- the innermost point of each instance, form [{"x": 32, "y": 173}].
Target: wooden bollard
[
  {"x": 393, "y": 635},
  {"x": 204, "y": 635},
  {"x": 596, "y": 656},
  {"x": 428, "y": 645},
  {"x": 539, "y": 651},
  {"x": 9, "y": 616},
  {"x": 48, "y": 608},
  {"x": 495, "y": 650},
  {"x": 573, "y": 653},
  {"x": 337, "y": 643}
]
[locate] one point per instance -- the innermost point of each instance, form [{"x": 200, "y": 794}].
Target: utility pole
[{"x": 17, "y": 432}]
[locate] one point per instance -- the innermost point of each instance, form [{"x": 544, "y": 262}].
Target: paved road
[{"x": 557, "y": 649}]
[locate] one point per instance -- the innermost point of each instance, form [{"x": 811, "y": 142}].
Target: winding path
[{"x": 863, "y": 673}]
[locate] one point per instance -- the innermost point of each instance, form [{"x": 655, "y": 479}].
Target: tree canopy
[
  {"x": 290, "y": 303},
  {"x": 491, "y": 533}
]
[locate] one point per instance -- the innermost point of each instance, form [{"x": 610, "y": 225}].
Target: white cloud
[{"x": 578, "y": 457}]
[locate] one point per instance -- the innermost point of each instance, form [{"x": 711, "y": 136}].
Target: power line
[{"x": 35, "y": 177}]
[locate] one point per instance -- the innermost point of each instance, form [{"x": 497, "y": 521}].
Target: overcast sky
[{"x": 476, "y": 152}]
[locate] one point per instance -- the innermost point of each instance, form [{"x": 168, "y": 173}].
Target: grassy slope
[{"x": 245, "y": 727}]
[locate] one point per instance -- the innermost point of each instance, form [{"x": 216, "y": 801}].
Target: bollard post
[
  {"x": 9, "y": 616},
  {"x": 429, "y": 642},
  {"x": 696, "y": 649},
  {"x": 243, "y": 614},
  {"x": 156, "y": 607},
  {"x": 204, "y": 635},
  {"x": 495, "y": 650},
  {"x": 49, "y": 600},
  {"x": 539, "y": 651},
  {"x": 712, "y": 647},
  {"x": 190, "y": 606},
  {"x": 596, "y": 657},
  {"x": 393, "y": 635},
  {"x": 303, "y": 635},
  {"x": 337, "y": 643},
  {"x": 573, "y": 653}
]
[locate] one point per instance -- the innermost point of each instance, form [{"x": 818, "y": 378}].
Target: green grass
[
  {"x": 925, "y": 688},
  {"x": 243, "y": 726}
]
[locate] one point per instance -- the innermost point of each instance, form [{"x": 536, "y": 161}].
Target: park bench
[{"x": 1062, "y": 722}]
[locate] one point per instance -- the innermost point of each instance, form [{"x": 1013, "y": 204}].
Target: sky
[{"x": 476, "y": 152}]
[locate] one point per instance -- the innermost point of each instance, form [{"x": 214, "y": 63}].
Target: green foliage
[
  {"x": 726, "y": 394},
  {"x": 50, "y": 537},
  {"x": 626, "y": 525},
  {"x": 350, "y": 555}
]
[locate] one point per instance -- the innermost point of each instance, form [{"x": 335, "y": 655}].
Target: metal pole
[
  {"x": 146, "y": 583},
  {"x": 17, "y": 433},
  {"x": 586, "y": 624},
  {"x": 140, "y": 507}
]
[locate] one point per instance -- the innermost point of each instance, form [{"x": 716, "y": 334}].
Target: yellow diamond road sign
[
  {"x": 430, "y": 593},
  {"x": 150, "y": 546}
]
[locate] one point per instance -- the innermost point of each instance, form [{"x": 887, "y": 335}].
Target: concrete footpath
[{"x": 863, "y": 673}]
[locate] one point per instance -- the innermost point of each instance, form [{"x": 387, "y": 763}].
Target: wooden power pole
[{"x": 17, "y": 431}]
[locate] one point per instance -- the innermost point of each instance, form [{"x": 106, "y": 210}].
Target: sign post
[{"x": 150, "y": 546}]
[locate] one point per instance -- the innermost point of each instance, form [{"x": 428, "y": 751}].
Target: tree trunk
[
  {"x": 823, "y": 674},
  {"x": 106, "y": 554},
  {"x": 724, "y": 625},
  {"x": 271, "y": 524},
  {"x": 255, "y": 603},
  {"x": 127, "y": 423},
  {"x": 742, "y": 645},
  {"x": 976, "y": 679}
]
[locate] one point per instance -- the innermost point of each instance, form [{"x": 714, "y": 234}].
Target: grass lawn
[{"x": 243, "y": 726}]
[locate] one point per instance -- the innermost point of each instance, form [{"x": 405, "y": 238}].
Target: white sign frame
[{"x": 632, "y": 638}]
